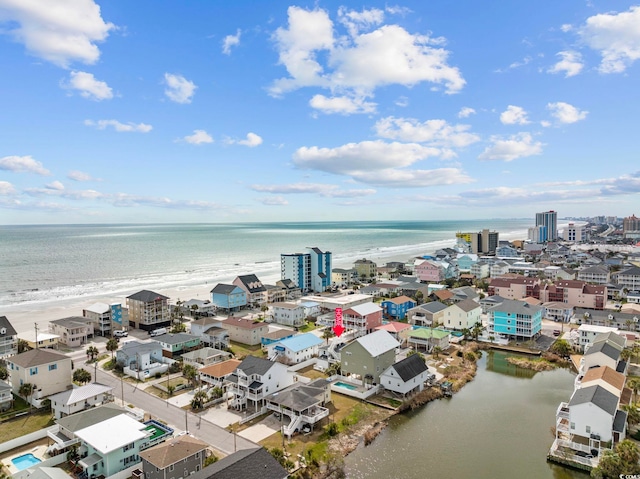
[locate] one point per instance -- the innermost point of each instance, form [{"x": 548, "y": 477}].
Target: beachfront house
[
  {"x": 291, "y": 289},
  {"x": 362, "y": 318},
  {"x": 296, "y": 349},
  {"x": 341, "y": 277},
  {"x": 8, "y": 339},
  {"x": 49, "y": 372},
  {"x": 142, "y": 360},
  {"x": 254, "y": 289},
  {"x": 462, "y": 315},
  {"x": 405, "y": 377},
  {"x": 245, "y": 331},
  {"x": 396, "y": 308},
  {"x": 228, "y": 297},
  {"x": 289, "y": 314},
  {"x": 365, "y": 269},
  {"x": 80, "y": 398},
  {"x": 178, "y": 457},
  {"x": 427, "y": 314},
  {"x": 73, "y": 332},
  {"x": 148, "y": 310},
  {"x": 301, "y": 404},
  {"x": 426, "y": 339},
  {"x": 254, "y": 379},
  {"x": 107, "y": 318},
  {"x": 215, "y": 374},
  {"x": 175, "y": 344},
  {"x": 515, "y": 319},
  {"x": 368, "y": 356}
]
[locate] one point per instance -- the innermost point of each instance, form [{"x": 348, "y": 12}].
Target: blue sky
[{"x": 199, "y": 111}]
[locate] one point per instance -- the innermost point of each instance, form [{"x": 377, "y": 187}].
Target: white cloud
[
  {"x": 230, "y": 41},
  {"x": 616, "y": 36},
  {"x": 365, "y": 156},
  {"x": 545, "y": 123},
  {"x": 120, "y": 127},
  {"x": 566, "y": 113},
  {"x": 23, "y": 164},
  {"x": 274, "y": 201},
  {"x": 511, "y": 148},
  {"x": 6, "y": 188},
  {"x": 356, "y": 21},
  {"x": 198, "y": 138},
  {"x": 342, "y": 104},
  {"x": 60, "y": 32},
  {"x": 566, "y": 27},
  {"x": 402, "y": 101},
  {"x": 514, "y": 115},
  {"x": 433, "y": 132},
  {"x": 252, "y": 140},
  {"x": 76, "y": 175},
  {"x": 179, "y": 89},
  {"x": 395, "y": 178},
  {"x": 358, "y": 63},
  {"x": 466, "y": 112},
  {"x": 55, "y": 185},
  {"x": 570, "y": 63},
  {"x": 88, "y": 86},
  {"x": 321, "y": 189}
]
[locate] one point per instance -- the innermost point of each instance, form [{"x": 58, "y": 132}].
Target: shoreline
[{"x": 23, "y": 315}]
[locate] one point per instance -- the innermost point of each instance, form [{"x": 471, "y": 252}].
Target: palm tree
[
  {"x": 92, "y": 352},
  {"x": 194, "y": 310},
  {"x": 634, "y": 385},
  {"x": 81, "y": 376},
  {"x": 199, "y": 398},
  {"x": 633, "y": 414},
  {"x": 477, "y": 330},
  {"x": 23, "y": 346},
  {"x": 327, "y": 334},
  {"x": 190, "y": 373},
  {"x": 466, "y": 333},
  {"x": 73, "y": 455},
  {"x": 112, "y": 345},
  {"x": 436, "y": 351},
  {"x": 26, "y": 390}
]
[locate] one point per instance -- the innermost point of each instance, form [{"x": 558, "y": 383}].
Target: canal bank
[{"x": 497, "y": 426}]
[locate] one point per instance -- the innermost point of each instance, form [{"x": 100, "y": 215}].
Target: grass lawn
[
  {"x": 172, "y": 382},
  {"x": 311, "y": 373},
  {"x": 307, "y": 327},
  {"x": 241, "y": 351},
  {"x": 25, "y": 425}
]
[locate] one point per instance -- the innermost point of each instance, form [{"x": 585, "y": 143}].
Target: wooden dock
[{"x": 516, "y": 349}]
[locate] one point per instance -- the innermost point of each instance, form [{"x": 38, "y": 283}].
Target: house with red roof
[{"x": 400, "y": 331}]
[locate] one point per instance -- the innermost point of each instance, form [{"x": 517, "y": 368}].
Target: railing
[
  {"x": 320, "y": 414},
  {"x": 256, "y": 414}
]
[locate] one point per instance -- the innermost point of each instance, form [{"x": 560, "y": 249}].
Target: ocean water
[{"x": 51, "y": 263}]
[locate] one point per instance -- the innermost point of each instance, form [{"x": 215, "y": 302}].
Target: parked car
[
  {"x": 120, "y": 333},
  {"x": 557, "y": 332}
]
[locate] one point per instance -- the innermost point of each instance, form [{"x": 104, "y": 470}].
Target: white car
[{"x": 121, "y": 333}]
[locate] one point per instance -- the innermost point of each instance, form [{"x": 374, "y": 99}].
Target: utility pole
[
  {"x": 122, "y": 389},
  {"x": 36, "y": 326},
  {"x": 186, "y": 419}
]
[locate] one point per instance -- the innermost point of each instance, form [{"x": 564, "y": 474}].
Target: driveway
[{"x": 265, "y": 428}]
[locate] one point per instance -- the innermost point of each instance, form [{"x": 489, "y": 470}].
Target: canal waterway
[{"x": 498, "y": 426}]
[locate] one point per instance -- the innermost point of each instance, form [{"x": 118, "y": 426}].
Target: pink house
[
  {"x": 400, "y": 331},
  {"x": 428, "y": 271},
  {"x": 364, "y": 318}
]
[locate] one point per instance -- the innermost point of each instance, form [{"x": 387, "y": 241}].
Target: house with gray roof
[
  {"x": 598, "y": 274},
  {"x": 254, "y": 379},
  {"x": 211, "y": 332},
  {"x": 175, "y": 344},
  {"x": 515, "y": 319},
  {"x": 365, "y": 358},
  {"x": 180, "y": 456},
  {"x": 463, "y": 314},
  {"x": 80, "y": 398},
  {"x": 255, "y": 463},
  {"x": 228, "y": 297},
  {"x": 142, "y": 360},
  {"x": 73, "y": 331},
  {"x": 253, "y": 287},
  {"x": 148, "y": 310},
  {"x": 427, "y": 314},
  {"x": 406, "y": 377},
  {"x": 301, "y": 404}
]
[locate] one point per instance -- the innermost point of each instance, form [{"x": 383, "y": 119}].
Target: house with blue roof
[{"x": 295, "y": 349}]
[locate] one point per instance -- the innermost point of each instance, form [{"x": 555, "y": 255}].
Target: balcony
[{"x": 563, "y": 410}]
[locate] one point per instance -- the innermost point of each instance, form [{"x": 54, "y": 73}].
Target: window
[
  {"x": 573, "y": 425},
  {"x": 197, "y": 455},
  {"x": 171, "y": 468},
  {"x": 33, "y": 371},
  {"x": 588, "y": 429}
]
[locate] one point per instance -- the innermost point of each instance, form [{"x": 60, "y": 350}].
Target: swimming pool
[
  {"x": 25, "y": 461},
  {"x": 345, "y": 385}
]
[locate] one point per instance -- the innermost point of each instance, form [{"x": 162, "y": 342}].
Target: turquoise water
[
  {"x": 25, "y": 461},
  {"x": 51, "y": 263},
  {"x": 345, "y": 385}
]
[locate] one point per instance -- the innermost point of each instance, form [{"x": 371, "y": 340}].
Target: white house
[
  {"x": 406, "y": 376},
  {"x": 73, "y": 331},
  {"x": 6, "y": 398},
  {"x": 142, "y": 360},
  {"x": 600, "y": 353},
  {"x": 8, "y": 338},
  {"x": 289, "y": 314},
  {"x": 587, "y": 334},
  {"x": 295, "y": 349},
  {"x": 254, "y": 379},
  {"x": 80, "y": 398},
  {"x": 49, "y": 372},
  {"x": 211, "y": 332},
  {"x": 462, "y": 315}
]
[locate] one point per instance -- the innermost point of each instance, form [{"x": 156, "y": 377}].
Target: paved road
[{"x": 180, "y": 419}]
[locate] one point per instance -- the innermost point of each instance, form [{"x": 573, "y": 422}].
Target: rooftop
[
  {"x": 300, "y": 342},
  {"x": 173, "y": 450},
  {"x": 113, "y": 433},
  {"x": 36, "y": 357},
  {"x": 147, "y": 296},
  {"x": 377, "y": 343}
]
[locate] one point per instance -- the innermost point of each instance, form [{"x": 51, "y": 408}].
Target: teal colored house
[
  {"x": 466, "y": 261},
  {"x": 396, "y": 308},
  {"x": 515, "y": 319},
  {"x": 228, "y": 297},
  {"x": 179, "y": 343}
]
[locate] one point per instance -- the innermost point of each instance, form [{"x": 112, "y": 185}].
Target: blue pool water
[
  {"x": 25, "y": 461},
  {"x": 345, "y": 385}
]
